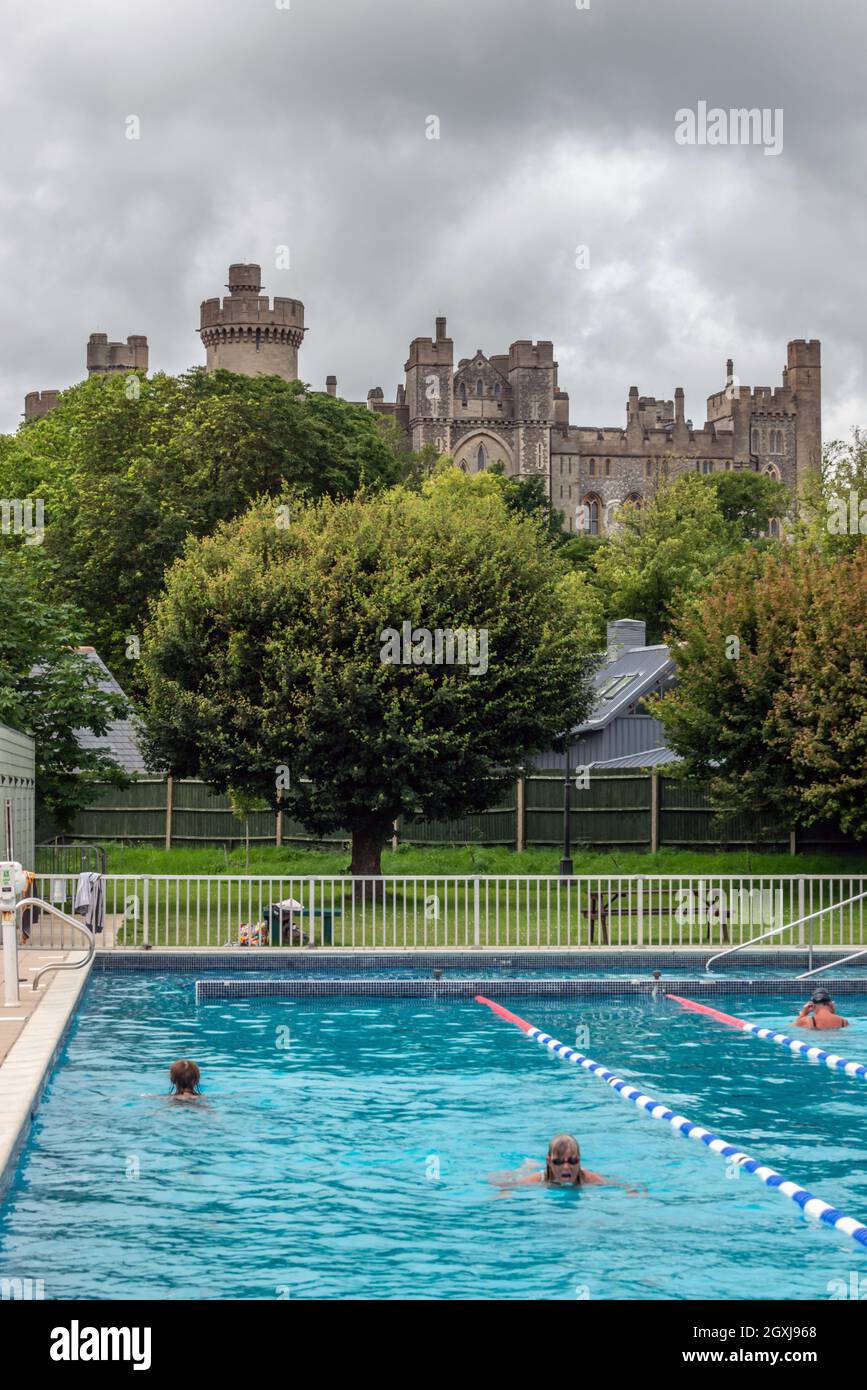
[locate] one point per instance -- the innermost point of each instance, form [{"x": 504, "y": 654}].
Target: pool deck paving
[{"x": 31, "y": 1035}]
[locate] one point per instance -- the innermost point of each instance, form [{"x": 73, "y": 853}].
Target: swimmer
[
  {"x": 563, "y": 1168},
  {"x": 184, "y": 1076},
  {"x": 820, "y": 1013}
]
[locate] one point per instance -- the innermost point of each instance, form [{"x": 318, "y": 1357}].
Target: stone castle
[{"x": 508, "y": 408}]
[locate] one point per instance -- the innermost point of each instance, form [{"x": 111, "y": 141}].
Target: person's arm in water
[{"x": 803, "y": 1020}]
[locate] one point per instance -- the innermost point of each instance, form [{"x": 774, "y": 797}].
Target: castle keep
[{"x": 508, "y": 408}]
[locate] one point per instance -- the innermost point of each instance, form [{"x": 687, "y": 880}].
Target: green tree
[
  {"x": 834, "y": 498},
  {"x": 662, "y": 553},
  {"x": 770, "y": 707},
  {"x": 749, "y": 501},
  {"x": 128, "y": 467},
  {"x": 269, "y": 656},
  {"x": 49, "y": 690}
]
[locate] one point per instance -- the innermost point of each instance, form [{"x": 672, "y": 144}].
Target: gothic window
[
  {"x": 497, "y": 389},
  {"x": 772, "y": 471},
  {"x": 592, "y": 468},
  {"x": 592, "y": 505},
  {"x": 754, "y": 441},
  {"x": 608, "y": 468},
  {"x": 481, "y": 459},
  {"x": 774, "y": 528},
  {"x": 480, "y": 389},
  {"x": 707, "y": 466},
  {"x": 463, "y": 393},
  {"x": 776, "y": 441},
  {"x": 634, "y": 499}
]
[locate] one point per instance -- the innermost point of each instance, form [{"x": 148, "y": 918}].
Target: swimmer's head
[
  {"x": 821, "y": 996},
  {"x": 564, "y": 1161},
  {"x": 184, "y": 1076}
]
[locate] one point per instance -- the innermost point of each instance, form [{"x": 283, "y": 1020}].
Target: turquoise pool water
[{"x": 349, "y": 1156}]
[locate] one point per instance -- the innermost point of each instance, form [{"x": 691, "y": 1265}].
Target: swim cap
[{"x": 821, "y": 996}]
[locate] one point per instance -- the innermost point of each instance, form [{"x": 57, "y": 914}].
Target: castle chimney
[
  {"x": 678, "y": 405},
  {"x": 632, "y": 404},
  {"x": 331, "y": 385},
  {"x": 441, "y": 330},
  {"x": 730, "y": 369}
]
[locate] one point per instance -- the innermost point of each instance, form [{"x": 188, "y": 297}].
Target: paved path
[{"x": 12, "y": 1020}]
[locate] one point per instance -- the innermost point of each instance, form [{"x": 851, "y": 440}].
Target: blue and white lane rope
[
  {"x": 810, "y": 1204},
  {"x": 796, "y": 1045}
]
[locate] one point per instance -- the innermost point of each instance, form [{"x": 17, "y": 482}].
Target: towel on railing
[{"x": 90, "y": 900}]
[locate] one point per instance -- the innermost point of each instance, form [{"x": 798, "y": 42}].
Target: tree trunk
[{"x": 367, "y": 842}]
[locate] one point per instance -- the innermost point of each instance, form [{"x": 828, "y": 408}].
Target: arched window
[
  {"x": 754, "y": 441},
  {"x": 776, "y": 441},
  {"x": 774, "y": 528},
  {"x": 591, "y": 469},
  {"x": 608, "y": 468},
  {"x": 463, "y": 393},
  {"x": 481, "y": 459},
  {"x": 593, "y": 511},
  {"x": 634, "y": 499},
  {"x": 707, "y": 466},
  {"x": 480, "y": 389},
  {"x": 771, "y": 470},
  {"x": 497, "y": 389}
]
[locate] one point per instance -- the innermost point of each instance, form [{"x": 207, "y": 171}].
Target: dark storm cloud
[{"x": 306, "y": 126}]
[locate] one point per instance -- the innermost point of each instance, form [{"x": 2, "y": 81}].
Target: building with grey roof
[{"x": 122, "y": 740}]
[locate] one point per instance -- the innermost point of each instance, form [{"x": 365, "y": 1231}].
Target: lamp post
[{"x": 566, "y": 861}]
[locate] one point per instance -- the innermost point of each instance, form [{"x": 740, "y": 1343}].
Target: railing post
[
  {"x": 801, "y": 910},
  {"x": 476, "y": 915},
  {"x": 11, "y": 995},
  {"x": 641, "y": 912},
  {"x": 145, "y": 912}
]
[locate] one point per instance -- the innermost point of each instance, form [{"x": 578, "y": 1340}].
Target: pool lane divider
[
  {"x": 796, "y": 1045},
  {"x": 810, "y": 1204}
]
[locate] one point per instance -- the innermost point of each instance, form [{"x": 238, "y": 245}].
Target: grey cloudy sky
[{"x": 305, "y": 126}]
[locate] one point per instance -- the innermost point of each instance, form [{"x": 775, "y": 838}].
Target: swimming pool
[{"x": 346, "y": 1145}]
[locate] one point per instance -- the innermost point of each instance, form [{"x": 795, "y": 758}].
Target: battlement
[
  {"x": 804, "y": 352},
  {"x": 761, "y": 398},
  {"x": 527, "y": 354},
  {"x": 103, "y": 356},
  {"x": 251, "y": 309},
  {"x": 38, "y": 404},
  {"x": 425, "y": 352}
]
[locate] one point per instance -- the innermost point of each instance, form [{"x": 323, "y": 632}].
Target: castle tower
[
  {"x": 248, "y": 334},
  {"x": 533, "y": 379},
  {"x": 38, "y": 404},
  {"x": 429, "y": 393},
  {"x": 104, "y": 357},
  {"x": 803, "y": 377}
]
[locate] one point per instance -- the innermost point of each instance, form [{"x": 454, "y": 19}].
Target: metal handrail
[
  {"x": 831, "y": 964},
  {"x": 73, "y": 922},
  {"x": 788, "y": 926}
]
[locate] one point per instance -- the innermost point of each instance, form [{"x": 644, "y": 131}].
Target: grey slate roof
[
  {"x": 643, "y": 671},
  {"x": 121, "y": 741}
]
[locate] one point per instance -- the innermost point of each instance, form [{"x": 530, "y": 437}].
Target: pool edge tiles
[
  {"x": 211, "y": 990},
  {"x": 29, "y": 1063},
  {"x": 581, "y": 959}
]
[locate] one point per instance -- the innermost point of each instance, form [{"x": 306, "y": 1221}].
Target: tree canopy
[
  {"x": 49, "y": 690},
  {"x": 269, "y": 659},
  {"x": 130, "y": 466}
]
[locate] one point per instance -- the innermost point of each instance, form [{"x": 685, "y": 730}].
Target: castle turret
[
  {"x": 246, "y": 333},
  {"x": 37, "y": 404},
  {"x": 804, "y": 380},
  {"x": 104, "y": 357}
]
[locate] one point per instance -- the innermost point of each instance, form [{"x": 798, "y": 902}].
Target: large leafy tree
[
  {"x": 50, "y": 691},
  {"x": 264, "y": 659},
  {"x": 771, "y": 703},
  {"x": 128, "y": 467},
  {"x": 662, "y": 554}
]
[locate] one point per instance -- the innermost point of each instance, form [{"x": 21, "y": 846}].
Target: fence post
[
  {"x": 801, "y": 910},
  {"x": 476, "y": 914},
  {"x": 145, "y": 911},
  {"x": 170, "y": 797},
  {"x": 654, "y": 812},
  {"x": 520, "y": 800},
  {"x": 278, "y": 825}
]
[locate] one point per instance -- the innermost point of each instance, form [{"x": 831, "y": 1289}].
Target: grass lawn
[
  {"x": 471, "y": 859},
  {"x": 532, "y": 911}
]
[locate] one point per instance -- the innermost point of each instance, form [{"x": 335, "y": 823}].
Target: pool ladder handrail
[
  {"x": 73, "y": 922},
  {"x": 789, "y": 926}
]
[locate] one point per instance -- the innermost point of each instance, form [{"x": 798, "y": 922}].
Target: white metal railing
[
  {"x": 812, "y": 918},
  {"x": 465, "y": 911}
]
